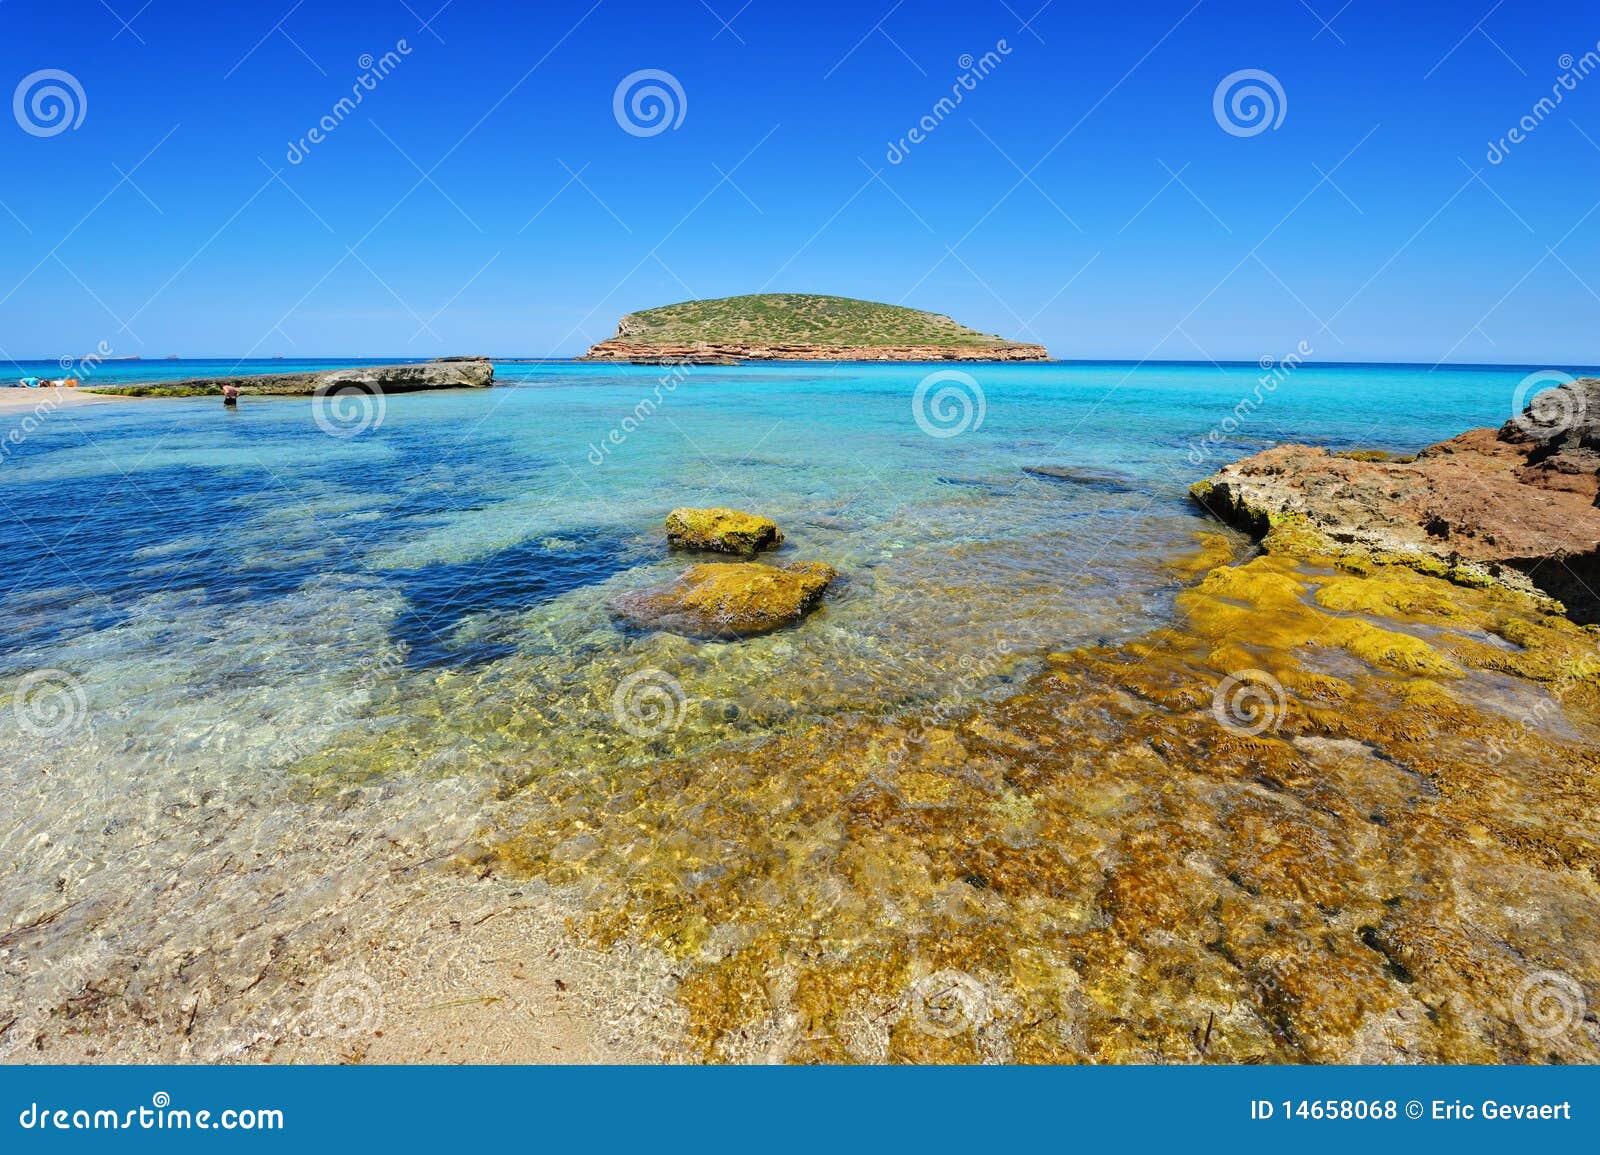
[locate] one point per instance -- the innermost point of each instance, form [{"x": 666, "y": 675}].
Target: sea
[{"x": 217, "y": 619}]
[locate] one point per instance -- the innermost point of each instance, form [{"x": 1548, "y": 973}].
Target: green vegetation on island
[
  {"x": 798, "y": 318},
  {"x": 804, "y": 326}
]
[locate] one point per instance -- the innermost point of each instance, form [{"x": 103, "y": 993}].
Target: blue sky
[{"x": 1083, "y": 193}]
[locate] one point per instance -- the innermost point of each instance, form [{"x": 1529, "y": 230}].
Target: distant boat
[
  {"x": 172, "y": 357},
  {"x": 132, "y": 357}
]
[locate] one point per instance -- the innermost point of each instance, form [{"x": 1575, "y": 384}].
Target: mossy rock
[
  {"x": 1377, "y": 456},
  {"x": 721, "y": 531},
  {"x": 729, "y": 599},
  {"x": 1223, "y": 502}
]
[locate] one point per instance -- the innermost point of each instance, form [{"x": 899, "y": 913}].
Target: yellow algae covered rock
[
  {"x": 1273, "y": 602},
  {"x": 721, "y": 531},
  {"x": 729, "y": 599},
  {"x": 1337, "y": 811},
  {"x": 1400, "y": 591},
  {"x": 1211, "y": 550}
]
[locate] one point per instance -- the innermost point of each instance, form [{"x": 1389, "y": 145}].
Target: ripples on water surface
[{"x": 259, "y": 615}]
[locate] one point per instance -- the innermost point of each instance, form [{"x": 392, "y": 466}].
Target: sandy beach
[{"x": 50, "y": 398}]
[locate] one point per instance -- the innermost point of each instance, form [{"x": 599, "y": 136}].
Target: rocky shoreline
[
  {"x": 732, "y": 352},
  {"x": 1340, "y": 810},
  {"x": 463, "y": 374},
  {"x": 1518, "y": 506}
]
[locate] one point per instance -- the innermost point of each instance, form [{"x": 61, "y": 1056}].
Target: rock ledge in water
[
  {"x": 371, "y": 379},
  {"x": 1515, "y": 506}
]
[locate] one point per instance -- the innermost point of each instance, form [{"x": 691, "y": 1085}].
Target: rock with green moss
[
  {"x": 728, "y": 599},
  {"x": 721, "y": 531}
]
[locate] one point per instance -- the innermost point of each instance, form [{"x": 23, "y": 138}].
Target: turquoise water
[
  {"x": 168, "y": 547},
  {"x": 213, "y": 615},
  {"x": 459, "y": 512}
]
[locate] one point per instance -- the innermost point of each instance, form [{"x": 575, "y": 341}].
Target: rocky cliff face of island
[
  {"x": 715, "y": 352},
  {"x": 1515, "y": 506}
]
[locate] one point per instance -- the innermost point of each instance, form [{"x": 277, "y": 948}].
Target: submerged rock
[
  {"x": 721, "y": 531},
  {"x": 1108, "y": 480},
  {"x": 729, "y": 599}
]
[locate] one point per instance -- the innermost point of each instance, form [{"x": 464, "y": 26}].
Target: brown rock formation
[{"x": 1516, "y": 506}]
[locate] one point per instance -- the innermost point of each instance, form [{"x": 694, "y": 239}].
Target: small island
[{"x": 800, "y": 327}]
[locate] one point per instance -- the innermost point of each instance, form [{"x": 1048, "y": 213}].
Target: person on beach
[{"x": 230, "y": 396}]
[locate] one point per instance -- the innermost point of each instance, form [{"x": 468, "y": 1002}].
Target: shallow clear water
[
  {"x": 208, "y": 610},
  {"x": 178, "y": 560},
  {"x": 166, "y": 549}
]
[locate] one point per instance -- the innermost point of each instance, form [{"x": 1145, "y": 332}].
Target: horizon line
[{"x": 1255, "y": 363}]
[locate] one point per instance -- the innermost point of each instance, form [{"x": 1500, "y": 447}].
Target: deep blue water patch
[
  {"x": 439, "y": 598},
  {"x": 75, "y": 563},
  {"x": 77, "y": 552}
]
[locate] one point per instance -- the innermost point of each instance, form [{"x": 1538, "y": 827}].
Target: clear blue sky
[{"x": 1101, "y": 252}]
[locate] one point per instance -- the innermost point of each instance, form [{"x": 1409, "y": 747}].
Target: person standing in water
[{"x": 230, "y": 396}]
